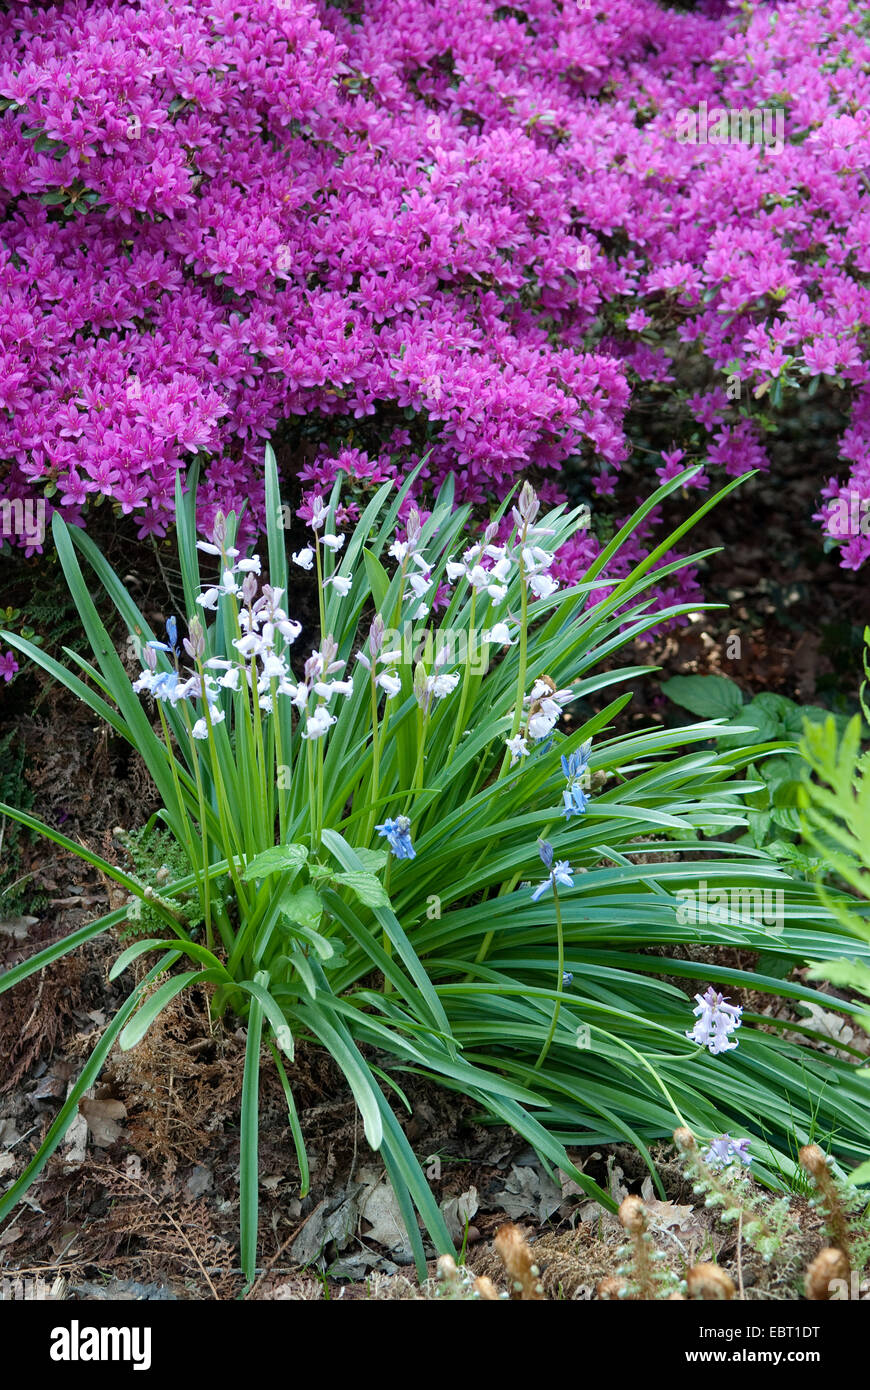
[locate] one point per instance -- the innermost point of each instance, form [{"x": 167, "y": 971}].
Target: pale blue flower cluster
[
  {"x": 717, "y": 1020},
  {"x": 724, "y": 1151},
  {"x": 560, "y": 873},
  {"x": 260, "y": 658},
  {"x": 398, "y": 836},
  {"x": 576, "y": 768}
]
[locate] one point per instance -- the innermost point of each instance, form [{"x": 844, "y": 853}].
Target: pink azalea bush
[{"x": 396, "y": 226}]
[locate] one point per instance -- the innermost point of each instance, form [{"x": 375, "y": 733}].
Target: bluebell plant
[{"x": 358, "y": 823}]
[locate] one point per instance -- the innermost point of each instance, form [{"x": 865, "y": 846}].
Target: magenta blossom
[{"x": 8, "y": 666}]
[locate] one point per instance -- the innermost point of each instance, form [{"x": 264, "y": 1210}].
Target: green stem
[
  {"x": 182, "y": 811},
  {"x": 222, "y": 806},
  {"x": 320, "y": 598},
  {"x": 505, "y": 888},
  {"x": 267, "y": 822},
  {"x": 422, "y": 729},
  {"x": 206, "y": 889},
  {"x": 523, "y": 662},
  {"x": 559, "y": 980},
  {"x": 280, "y": 765},
  {"x": 320, "y": 753},
  {"x": 245, "y": 723},
  {"x": 376, "y": 759},
  {"x": 466, "y": 676},
  {"x": 388, "y": 945},
  {"x": 312, "y": 796}
]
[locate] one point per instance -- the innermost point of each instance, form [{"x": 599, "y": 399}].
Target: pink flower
[
  {"x": 431, "y": 234},
  {"x": 8, "y": 665}
]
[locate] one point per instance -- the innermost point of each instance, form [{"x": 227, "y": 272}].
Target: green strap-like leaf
[
  {"x": 139, "y": 1025},
  {"x": 338, "y": 1041},
  {"x": 249, "y": 1142},
  {"x": 41, "y": 959},
  {"x": 110, "y": 870}
]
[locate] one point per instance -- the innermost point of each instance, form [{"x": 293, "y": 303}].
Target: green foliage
[
  {"x": 714, "y": 697},
  {"x": 836, "y": 811},
  {"x": 156, "y": 860},
  {"x": 765, "y": 1224},
  {"x": 767, "y": 719},
  {"x": 443, "y": 964}
]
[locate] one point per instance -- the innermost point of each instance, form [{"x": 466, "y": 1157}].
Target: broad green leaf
[
  {"x": 302, "y": 905},
  {"x": 277, "y": 860},
  {"x": 372, "y": 859},
  {"x": 321, "y": 944},
  {"x": 365, "y": 886},
  {"x": 306, "y": 974},
  {"x": 713, "y": 697}
]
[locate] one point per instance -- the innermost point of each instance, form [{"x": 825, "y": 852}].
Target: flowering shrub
[
  {"x": 458, "y": 227},
  {"x": 356, "y": 830}
]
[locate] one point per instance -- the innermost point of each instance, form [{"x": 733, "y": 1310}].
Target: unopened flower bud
[
  {"x": 194, "y": 642},
  {"x": 422, "y": 688},
  {"x": 528, "y": 505},
  {"x": 376, "y": 635}
]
